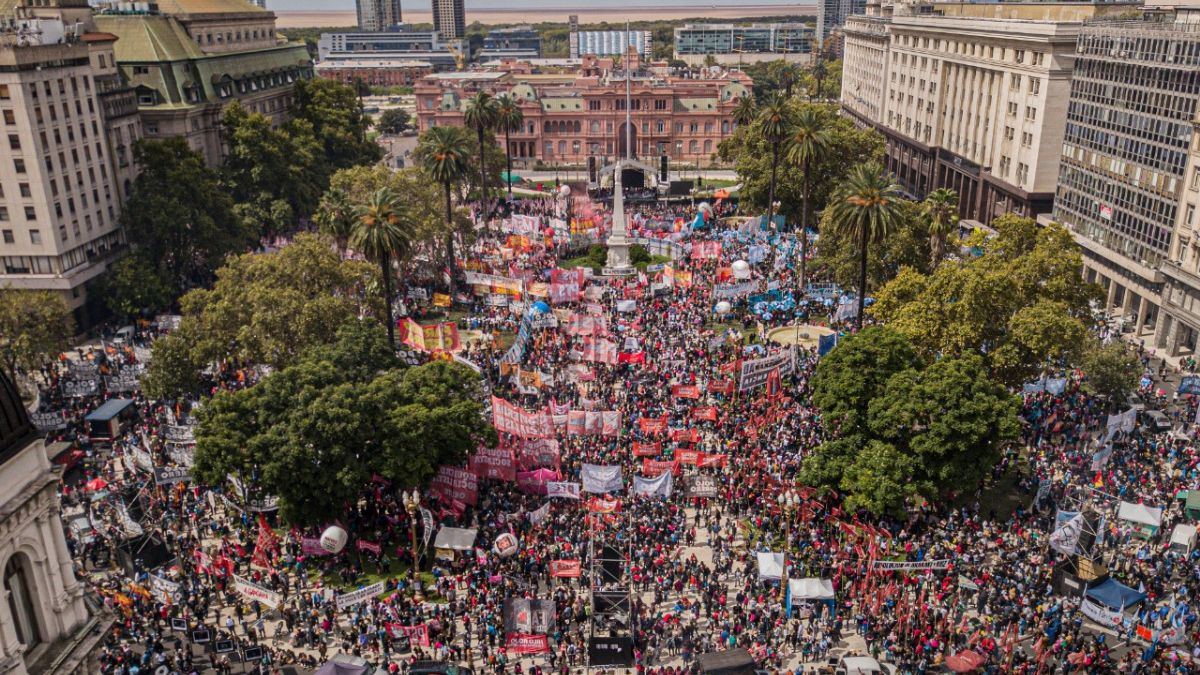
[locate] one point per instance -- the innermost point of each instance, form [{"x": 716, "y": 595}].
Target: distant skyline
[{"x": 421, "y": 7}]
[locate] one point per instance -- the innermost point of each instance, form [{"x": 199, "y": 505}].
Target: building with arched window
[{"x": 45, "y": 625}]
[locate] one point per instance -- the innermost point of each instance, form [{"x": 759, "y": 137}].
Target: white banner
[
  {"x": 562, "y": 490},
  {"x": 165, "y": 590},
  {"x": 427, "y": 524},
  {"x": 1102, "y": 615},
  {"x": 541, "y": 514},
  {"x": 354, "y": 597},
  {"x": 906, "y": 566},
  {"x": 1065, "y": 537},
  {"x": 602, "y": 478},
  {"x": 661, "y": 486},
  {"x": 253, "y": 591}
]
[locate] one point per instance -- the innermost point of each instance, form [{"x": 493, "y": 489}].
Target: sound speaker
[
  {"x": 592, "y": 169},
  {"x": 662, "y": 168}
]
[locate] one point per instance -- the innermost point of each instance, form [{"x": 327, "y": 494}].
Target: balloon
[
  {"x": 723, "y": 307},
  {"x": 505, "y": 545},
  {"x": 741, "y": 269},
  {"x": 333, "y": 539},
  {"x": 564, "y": 190}
]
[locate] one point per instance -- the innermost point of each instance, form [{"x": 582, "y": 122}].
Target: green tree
[
  {"x": 332, "y": 111},
  {"x": 509, "y": 118},
  {"x": 906, "y": 247},
  {"x": 786, "y": 73},
  {"x": 1022, "y": 303},
  {"x": 335, "y": 216},
  {"x": 868, "y": 206},
  {"x": 443, "y": 152},
  {"x": 174, "y": 372},
  {"x": 745, "y": 111},
  {"x": 393, "y": 121},
  {"x": 776, "y": 124},
  {"x": 315, "y": 432},
  {"x": 941, "y": 210},
  {"x": 1111, "y": 370},
  {"x": 481, "y": 115},
  {"x": 381, "y": 235},
  {"x": 178, "y": 216},
  {"x": 808, "y": 146},
  {"x": 133, "y": 285},
  {"x": 34, "y": 327},
  {"x": 850, "y": 376}
]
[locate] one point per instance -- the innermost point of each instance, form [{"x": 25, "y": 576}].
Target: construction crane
[{"x": 460, "y": 52}]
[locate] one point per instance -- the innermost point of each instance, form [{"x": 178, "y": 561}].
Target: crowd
[{"x": 981, "y": 582}]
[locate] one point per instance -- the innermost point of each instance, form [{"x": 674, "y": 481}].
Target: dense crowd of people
[{"x": 981, "y": 582}]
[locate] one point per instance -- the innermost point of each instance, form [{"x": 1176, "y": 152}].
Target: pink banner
[
  {"x": 312, "y": 546},
  {"x": 534, "y": 482},
  {"x": 373, "y": 547},
  {"x": 527, "y": 643},
  {"x": 494, "y": 464},
  {"x": 454, "y": 484},
  {"x": 538, "y": 453},
  {"x": 610, "y": 423},
  {"x": 510, "y": 419}
]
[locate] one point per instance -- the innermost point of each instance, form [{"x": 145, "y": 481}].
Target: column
[
  {"x": 1127, "y": 302},
  {"x": 1137, "y": 312},
  {"x": 1112, "y": 293},
  {"x": 1162, "y": 328}
]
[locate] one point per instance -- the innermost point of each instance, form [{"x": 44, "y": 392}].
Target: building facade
[
  {"x": 188, "y": 59},
  {"x": 450, "y": 18},
  {"x": 610, "y": 43},
  {"x": 1130, "y": 179},
  {"x": 728, "y": 43},
  {"x": 376, "y": 72},
  {"x": 970, "y": 96},
  {"x": 401, "y": 44},
  {"x": 60, "y": 194},
  {"x": 377, "y": 15},
  {"x": 571, "y": 117},
  {"x": 518, "y": 42},
  {"x": 46, "y": 624},
  {"x": 832, "y": 14}
]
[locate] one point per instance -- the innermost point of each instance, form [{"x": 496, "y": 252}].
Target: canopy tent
[
  {"x": 1114, "y": 594},
  {"x": 455, "y": 538},
  {"x": 770, "y": 565},
  {"x": 1146, "y": 519},
  {"x": 335, "y": 668},
  {"x": 1183, "y": 536},
  {"x": 1191, "y": 507},
  {"x": 109, "y": 410},
  {"x": 510, "y": 177},
  {"x": 729, "y": 662},
  {"x": 810, "y": 589}
]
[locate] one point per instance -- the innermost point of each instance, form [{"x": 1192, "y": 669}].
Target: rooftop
[{"x": 190, "y": 7}]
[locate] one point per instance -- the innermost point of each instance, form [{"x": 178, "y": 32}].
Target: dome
[{"x": 16, "y": 431}]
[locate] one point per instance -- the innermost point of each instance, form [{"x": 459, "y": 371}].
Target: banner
[
  {"x": 495, "y": 284},
  {"x": 705, "y": 413},
  {"x": 721, "y": 387},
  {"x": 355, "y": 597},
  {"x": 646, "y": 449},
  {"x": 688, "y": 457},
  {"x": 599, "y": 479},
  {"x": 312, "y": 546},
  {"x": 730, "y": 291},
  {"x": 1109, "y": 618},
  {"x": 538, "y": 453},
  {"x": 661, "y": 486},
  {"x": 179, "y": 434},
  {"x": 373, "y": 547},
  {"x": 523, "y": 643},
  {"x": 652, "y": 425},
  {"x": 568, "y": 569},
  {"x": 494, "y": 464},
  {"x": 48, "y": 421},
  {"x": 560, "y": 293},
  {"x": 525, "y": 615},
  {"x": 600, "y": 505},
  {"x": 80, "y": 388},
  {"x": 652, "y": 467},
  {"x": 539, "y": 515},
  {"x": 417, "y": 635},
  {"x": 754, "y": 372},
  {"x": 253, "y": 591},
  {"x": 1122, "y": 422},
  {"x": 703, "y": 486},
  {"x": 168, "y": 475},
  {"x": 126, "y": 380},
  {"x": 610, "y": 423},
  {"x": 888, "y": 565},
  {"x": 510, "y": 419},
  {"x": 165, "y": 590},
  {"x": 685, "y": 391},
  {"x": 1065, "y": 537},
  {"x": 685, "y": 435},
  {"x": 427, "y": 524},
  {"x": 562, "y": 490},
  {"x": 535, "y": 482},
  {"x": 436, "y": 337},
  {"x": 455, "y": 484}
]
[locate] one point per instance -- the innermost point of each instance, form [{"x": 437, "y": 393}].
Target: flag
[
  {"x": 1065, "y": 537},
  {"x": 267, "y": 546}
]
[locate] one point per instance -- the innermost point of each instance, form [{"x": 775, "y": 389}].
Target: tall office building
[
  {"x": 611, "y": 43},
  {"x": 1129, "y": 184},
  {"x": 970, "y": 96},
  {"x": 832, "y": 14},
  {"x": 373, "y": 15},
  {"x": 729, "y": 43},
  {"x": 450, "y": 18}
]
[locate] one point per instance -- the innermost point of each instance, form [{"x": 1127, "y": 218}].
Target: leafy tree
[
  {"x": 174, "y": 372},
  {"x": 808, "y": 146},
  {"x": 1022, "y": 303},
  {"x": 509, "y": 118},
  {"x": 906, "y": 247},
  {"x": 381, "y": 234},
  {"x": 335, "y": 216},
  {"x": 868, "y": 206},
  {"x": 314, "y": 433},
  {"x": 941, "y": 209},
  {"x": 1112, "y": 371},
  {"x": 34, "y": 326},
  {"x": 178, "y": 216},
  {"x": 393, "y": 121},
  {"x": 133, "y": 285},
  {"x": 332, "y": 111},
  {"x": 745, "y": 111},
  {"x": 443, "y": 152},
  {"x": 786, "y": 73},
  {"x": 481, "y": 115},
  {"x": 848, "y": 377},
  {"x": 265, "y": 309},
  {"x": 776, "y": 124}
]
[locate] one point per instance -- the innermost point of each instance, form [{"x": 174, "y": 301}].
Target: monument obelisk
[{"x": 618, "y": 238}]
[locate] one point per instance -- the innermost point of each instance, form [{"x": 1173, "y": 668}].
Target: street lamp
[
  {"x": 412, "y": 502},
  {"x": 788, "y": 501},
  {"x": 575, "y": 159}
]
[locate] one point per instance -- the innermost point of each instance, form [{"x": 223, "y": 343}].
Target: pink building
[{"x": 572, "y": 115}]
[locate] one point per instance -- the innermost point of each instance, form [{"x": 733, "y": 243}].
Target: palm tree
[
  {"x": 867, "y": 206},
  {"x": 941, "y": 208},
  {"x": 335, "y": 217},
  {"x": 481, "y": 116},
  {"x": 442, "y": 152},
  {"x": 775, "y": 118},
  {"x": 509, "y": 118},
  {"x": 380, "y": 234},
  {"x": 745, "y": 111},
  {"x": 786, "y": 75},
  {"x": 808, "y": 146}
]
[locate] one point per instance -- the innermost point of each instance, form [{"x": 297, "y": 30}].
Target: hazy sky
[{"x": 423, "y": 5}]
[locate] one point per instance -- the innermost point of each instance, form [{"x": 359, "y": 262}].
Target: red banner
[
  {"x": 510, "y": 419},
  {"x": 721, "y": 387},
  {"x": 631, "y": 357},
  {"x": 652, "y": 468},
  {"x": 646, "y": 449},
  {"x": 538, "y": 453},
  {"x": 685, "y": 391},
  {"x": 685, "y": 435},
  {"x": 652, "y": 425},
  {"x": 455, "y": 484},
  {"x": 689, "y": 457},
  {"x": 417, "y": 635},
  {"x": 495, "y": 464},
  {"x": 707, "y": 459},
  {"x": 706, "y": 413},
  {"x": 527, "y": 643},
  {"x": 601, "y": 505},
  {"x": 570, "y": 569},
  {"x": 372, "y": 546}
]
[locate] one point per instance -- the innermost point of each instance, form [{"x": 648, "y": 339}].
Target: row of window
[
  {"x": 974, "y": 49},
  {"x": 76, "y": 257}
]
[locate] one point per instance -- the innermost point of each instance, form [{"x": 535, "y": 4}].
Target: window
[
  {"x": 1019, "y": 56},
  {"x": 19, "y": 165},
  {"x": 141, "y": 70},
  {"x": 30, "y": 213},
  {"x": 4, "y": 95},
  {"x": 18, "y": 586},
  {"x": 35, "y": 237},
  {"x": 4, "y": 214},
  {"x": 25, "y": 191},
  {"x": 1030, "y": 113},
  {"x": 1012, "y": 108},
  {"x": 1008, "y": 133},
  {"x": 9, "y": 117},
  {"x": 8, "y": 237},
  {"x": 1035, "y": 86}
]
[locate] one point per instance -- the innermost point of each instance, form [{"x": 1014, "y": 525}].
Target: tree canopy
[
  {"x": 907, "y": 246},
  {"x": 314, "y": 433},
  {"x": 331, "y": 109},
  {"x": 34, "y": 327},
  {"x": 1111, "y": 370}
]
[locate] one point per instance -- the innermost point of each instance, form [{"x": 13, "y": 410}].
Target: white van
[
  {"x": 863, "y": 665},
  {"x": 1183, "y": 538}
]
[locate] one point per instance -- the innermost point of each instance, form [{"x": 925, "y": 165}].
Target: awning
[
  {"x": 1140, "y": 513},
  {"x": 1115, "y": 595},
  {"x": 729, "y": 662},
  {"x": 455, "y": 538},
  {"x": 335, "y": 668},
  {"x": 810, "y": 589},
  {"x": 109, "y": 410},
  {"x": 770, "y": 565},
  {"x": 510, "y": 177}
]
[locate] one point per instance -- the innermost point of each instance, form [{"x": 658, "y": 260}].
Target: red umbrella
[
  {"x": 965, "y": 662},
  {"x": 96, "y": 484}
]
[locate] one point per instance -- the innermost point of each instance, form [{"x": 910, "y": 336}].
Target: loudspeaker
[
  {"x": 592, "y": 178},
  {"x": 662, "y": 168},
  {"x": 610, "y": 651}
]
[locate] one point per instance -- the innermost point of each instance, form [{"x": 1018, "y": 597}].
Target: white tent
[
  {"x": 1140, "y": 513},
  {"x": 770, "y": 565},
  {"x": 810, "y": 589},
  {"x": 1183, "y": 535}
]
